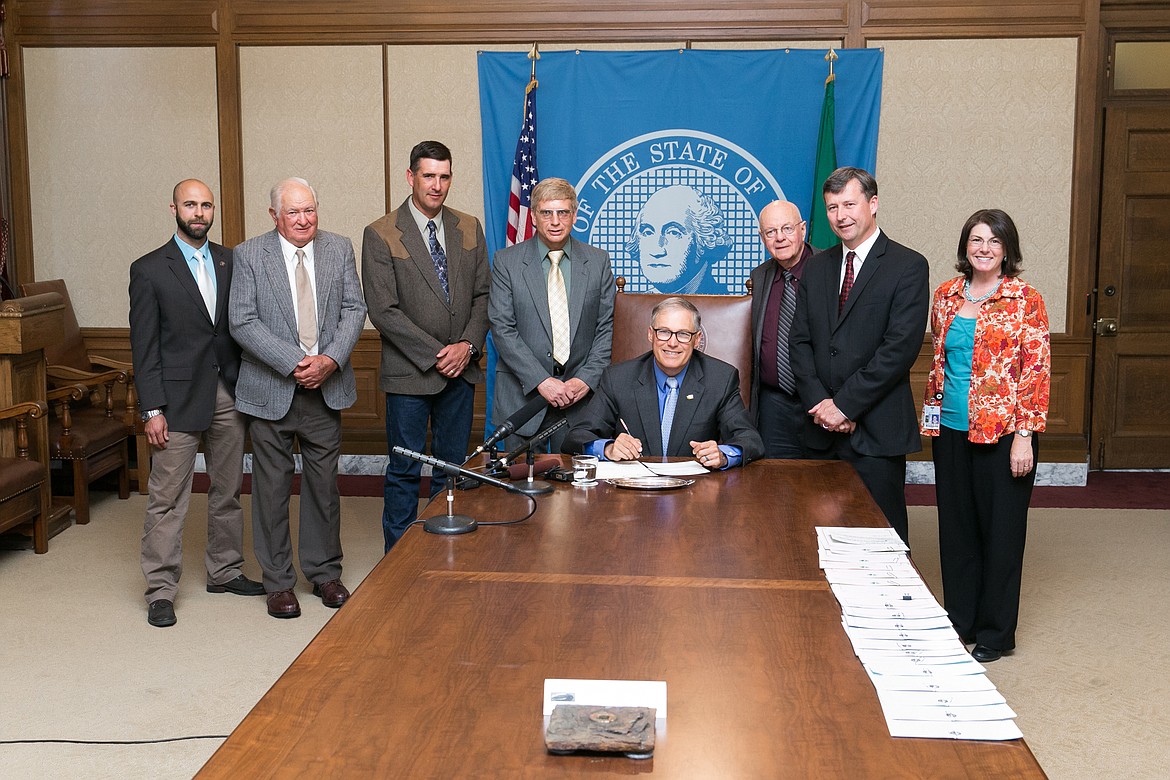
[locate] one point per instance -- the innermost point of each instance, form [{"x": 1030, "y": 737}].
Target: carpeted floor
[{"x": 78, "y": 660}]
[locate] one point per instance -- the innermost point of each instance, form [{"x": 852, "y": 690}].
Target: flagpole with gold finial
[
  {"x": 831, "y": 57},
  {"x": 533, "y": 55}
]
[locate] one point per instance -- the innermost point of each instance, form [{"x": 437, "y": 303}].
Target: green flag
[{"x": 820, "y": 234}]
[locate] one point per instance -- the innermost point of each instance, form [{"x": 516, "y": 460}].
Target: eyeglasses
[
  {"x": 977, "y": 242},
  {"x": 683, "y": 336},
  {"x": 787, "y": 230},
  {"x": 561, "y": 214}
]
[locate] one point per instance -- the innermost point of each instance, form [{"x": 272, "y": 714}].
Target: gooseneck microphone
[
  {"x": 451, "y": 469},
  {"x": 517, "y": 420},
  {"x": 530, "y": 444}
]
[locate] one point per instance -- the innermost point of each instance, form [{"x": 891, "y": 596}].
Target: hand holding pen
[{"x": 625, "y": 446}]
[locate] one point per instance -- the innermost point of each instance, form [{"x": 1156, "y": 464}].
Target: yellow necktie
[
  {"x": 558, "y": 308},
  {"x": 306, "y": 308}
]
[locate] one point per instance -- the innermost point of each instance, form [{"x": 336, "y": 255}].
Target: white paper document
[
  {"x": 606, "y": 693},
  {"x": 995, "y": 730},
  {"x": 892, "y": 698},
  {"x": 608, "y": 469}
]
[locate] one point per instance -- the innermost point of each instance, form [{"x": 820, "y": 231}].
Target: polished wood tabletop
[{"x": 436, "y": 666}]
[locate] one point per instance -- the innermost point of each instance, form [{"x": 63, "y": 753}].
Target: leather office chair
[
  {"x": 86, "y": 434},
  {"x": 726, "y": 333},
  {"x": 24, "y": 500}
]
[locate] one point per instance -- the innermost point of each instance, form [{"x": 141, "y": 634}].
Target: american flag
[{"x": 524, "y": 174}]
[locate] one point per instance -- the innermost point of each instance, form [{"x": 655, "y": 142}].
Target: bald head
[
  {"x": 782, "y": 231},
  {"x": 194, "y": 210}
]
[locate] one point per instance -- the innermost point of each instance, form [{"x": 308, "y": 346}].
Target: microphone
[
  {"x": 539, "y": 438},
  {"x": 517, "y": 420},
  {"x": 452, "y": 469}
]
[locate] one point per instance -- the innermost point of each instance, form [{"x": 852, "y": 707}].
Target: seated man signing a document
[{"x": 670, "y": 401}]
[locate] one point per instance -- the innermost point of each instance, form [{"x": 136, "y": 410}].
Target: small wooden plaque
[{"x": 628, "y": 730}]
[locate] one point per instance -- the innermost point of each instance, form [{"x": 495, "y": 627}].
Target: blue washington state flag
[{"x": 674, "y": 153}]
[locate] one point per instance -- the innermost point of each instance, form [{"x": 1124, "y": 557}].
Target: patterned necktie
[
  {"x": 846, "y": 283},
  {"x": 668, "y": 411},
  {"x": 439, "y": 258},
  {"x": 558, "y": 308},
  {"x": 306, "y": 309},
  {"x": 206, "y": 288},
  {"x": 784, "y": 377}
]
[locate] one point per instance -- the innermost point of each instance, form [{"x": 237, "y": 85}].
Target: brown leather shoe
[
  {"x": 283, "y": 604},
  {"x": 333, "y": 594}
]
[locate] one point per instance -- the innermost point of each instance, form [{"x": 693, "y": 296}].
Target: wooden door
[{"x": 1131, "y": 373}]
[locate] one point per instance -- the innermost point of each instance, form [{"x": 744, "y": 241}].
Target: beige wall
[
  {"x": 110, "y": 133},
  {"x": 314, "y": 112},
  {"x": 965, "y": 125},
  {"x": 980, "y": 124}
]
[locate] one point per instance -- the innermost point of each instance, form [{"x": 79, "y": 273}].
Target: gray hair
[
  {"x": 277, "y": 192},
  {"x": 677, "y": 302}
]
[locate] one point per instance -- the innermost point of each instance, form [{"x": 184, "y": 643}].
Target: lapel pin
[{"x": 690, "y": 397}]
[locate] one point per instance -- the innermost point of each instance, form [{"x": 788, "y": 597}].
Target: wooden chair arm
[
  {"x": 109, "y": 362},
  {"x": 67, "y": 393},
  {"x": 33, "y": 409},
  {"x": 67, "y": 375}
]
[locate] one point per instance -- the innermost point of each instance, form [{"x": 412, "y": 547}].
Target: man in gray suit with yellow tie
[
  {"x": 551, "y": 314},
  {"x": 425, "y": 273},
  {"x": 185, "y": 366},
  {"x": 297, "y": 311}
]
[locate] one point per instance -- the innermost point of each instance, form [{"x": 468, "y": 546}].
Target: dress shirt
[
  {"x": 734, "y": 454},
  {"x": 422, "y": 219},
  {"x": 290, "y": 266},
  {"x": 859, "y": 255},
  {"x": 189, "y": 255}
]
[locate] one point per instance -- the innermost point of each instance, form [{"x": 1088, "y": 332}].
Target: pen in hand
[{"x": 636, "y": 453}]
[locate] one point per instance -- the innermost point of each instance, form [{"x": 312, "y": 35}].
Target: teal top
[{"x": 959, "y": 345}]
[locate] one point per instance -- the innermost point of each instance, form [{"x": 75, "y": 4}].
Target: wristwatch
[
  {"x": 1023, "y": 434},
  {"x": 473, "y": 351},
  {"x": 146, "y": 415}
]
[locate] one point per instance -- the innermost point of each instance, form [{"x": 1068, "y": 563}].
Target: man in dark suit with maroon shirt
[{"x": 859, "y": 324}]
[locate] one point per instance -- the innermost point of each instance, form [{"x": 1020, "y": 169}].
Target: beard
[{"x": 193, "y": 230}]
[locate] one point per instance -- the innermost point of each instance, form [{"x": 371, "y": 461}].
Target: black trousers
[
  {"x": 883, "y": 476},
  {"x": 781, "y": 419},
  {"x": 982, "y": 527}
]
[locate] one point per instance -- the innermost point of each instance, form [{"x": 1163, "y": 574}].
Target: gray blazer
[
  {"x": 407, "y": 304},
  {"x": 264, "y": 323},
  {"x": 522, "y": 330}
]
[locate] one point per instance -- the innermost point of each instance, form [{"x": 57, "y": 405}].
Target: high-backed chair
[
  {"x": 86, "y": 435},
  {"x": 726, "y": 333},
  {"x": 24, "y": 497}
]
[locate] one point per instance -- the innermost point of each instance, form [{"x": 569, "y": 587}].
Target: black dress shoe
[
  {"x": 161, "y": 613},
  {"x": 985, "y": 655},
  {"x": 333, "y": 594},
  {"x": 241, "y": 586},
  {"x": 283, "y": 604}
]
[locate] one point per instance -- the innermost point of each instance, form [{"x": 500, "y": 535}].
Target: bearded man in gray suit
[
  {"x": 296, "y": 311},
  {"x": 556, "y": 350}
]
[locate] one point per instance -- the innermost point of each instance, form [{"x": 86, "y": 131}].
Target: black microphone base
[
  {"x": 534, "y": 488},
  {"x": 449, "y": 525}
]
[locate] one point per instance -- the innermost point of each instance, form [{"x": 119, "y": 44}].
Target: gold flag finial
[
  {"x": 533, "y": 55},
  {"x": 831, "y": 57}
]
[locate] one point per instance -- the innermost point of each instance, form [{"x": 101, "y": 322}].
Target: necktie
[
  {"x": 846, "y": 283},
  {"x": 784, "y": 377},
  {"x": 306, "y": 309},
  {"x": 558, "y": 308},
  {"x": 206, "y": 288},
  {"x": 668, "y": 411},
  {"x": 439, "y": 258}
]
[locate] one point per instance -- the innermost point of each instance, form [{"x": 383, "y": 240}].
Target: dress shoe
[
  {"x": 333, "y": 594},
  {"x": 984, "y": 654},
  {"x": 283, "y": 604},
  {"x": 161, "y": 613},
  {"x": 241, "y": 586}
]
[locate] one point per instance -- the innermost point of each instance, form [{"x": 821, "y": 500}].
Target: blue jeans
[{"x": 449, "y": 412}]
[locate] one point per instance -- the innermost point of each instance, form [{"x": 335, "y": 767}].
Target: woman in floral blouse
[{"x": 986, "y": 398}]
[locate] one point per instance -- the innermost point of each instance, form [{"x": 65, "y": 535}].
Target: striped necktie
[
  {"x": 668, "y": 412},
  {"x": 558, "y": 308}
]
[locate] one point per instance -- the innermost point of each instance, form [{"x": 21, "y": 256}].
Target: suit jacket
[
  {"x": 709, "y": 408},
  {"x": 763, "y": 275},
  {"x": 522, "y": 330},
  {"x": 862, "y": 358},
  {"x": 179, "y": 353},
  {"x": 406, "y": 301},
  {"x": 264, "y": 322}
]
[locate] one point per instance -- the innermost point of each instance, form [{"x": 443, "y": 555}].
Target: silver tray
[{"x": 650, "y": 483}]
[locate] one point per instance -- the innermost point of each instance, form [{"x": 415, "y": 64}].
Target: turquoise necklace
[{"x": 981, "y": 298}]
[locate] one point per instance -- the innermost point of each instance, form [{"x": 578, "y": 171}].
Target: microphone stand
[
  {"x": 534, "y": 487},
  {"x": 451, "y": 523}
]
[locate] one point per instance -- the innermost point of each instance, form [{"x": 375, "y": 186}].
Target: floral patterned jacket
[{"x": 1011, "y": 363}]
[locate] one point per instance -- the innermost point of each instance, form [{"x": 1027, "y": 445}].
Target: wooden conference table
[{"x": 435, "y": 667}]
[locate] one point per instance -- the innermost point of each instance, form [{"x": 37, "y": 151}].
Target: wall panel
[{"x": 112, "y": 131}]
